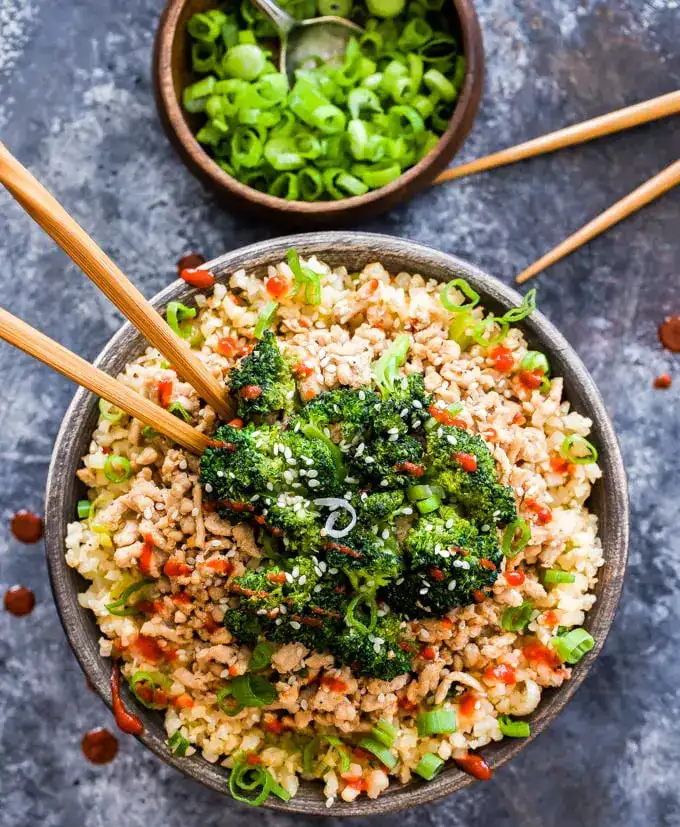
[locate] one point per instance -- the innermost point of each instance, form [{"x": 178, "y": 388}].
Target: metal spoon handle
[{"x": 283, "y": 22}]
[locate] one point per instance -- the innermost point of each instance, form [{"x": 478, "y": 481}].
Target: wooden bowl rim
[
  {"x": 417, "y": 176},
  {"x": 398, "y": 254}
]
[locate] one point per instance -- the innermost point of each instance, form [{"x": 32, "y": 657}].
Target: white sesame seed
[
  {"x": 452, "y": 585},
  {"x": 294, "y": 625},
  {"x": 303, "y": 580}
]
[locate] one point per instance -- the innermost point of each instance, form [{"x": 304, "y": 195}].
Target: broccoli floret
[
  {"x": 464, "y": 467},
  {"x": 427, "y": 543},
  {"x": 364, "y": 551},
  {"x": 405, "y": 408},
  {"x": 243, "y": 625},
  {"x": 318, "y": 462},
  {"x": 240, "y": 468},
  {"x": 298, "y": 522},
  {"x": 449, "y": 561},
  {"x": 263, "y": 382},
  {"x": 353, "y": 409},
  {"x": 386, "y": 463},
  {"x": 381, "y": 507},
  {"x": 381, "y": 653}
]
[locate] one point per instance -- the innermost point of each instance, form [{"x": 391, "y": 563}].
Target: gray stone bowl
[{"x": 609, "y": 500}]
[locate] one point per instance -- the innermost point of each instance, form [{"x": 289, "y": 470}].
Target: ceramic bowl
[
  {"x": 609, "y": 500},
  {"x": 172, "y": 72}
]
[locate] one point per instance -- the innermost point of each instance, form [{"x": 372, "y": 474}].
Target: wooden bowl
[
  {"x": 171, "y": 73},
  {"x": 609, "y": 501}
]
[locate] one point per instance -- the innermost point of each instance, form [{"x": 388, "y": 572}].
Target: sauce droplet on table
[
  {"x": 19, "y": 601},
  {"x": 27, "y": 526},
  {"x": 99, "y": 746},
  {"x": 669, "y": 333}
]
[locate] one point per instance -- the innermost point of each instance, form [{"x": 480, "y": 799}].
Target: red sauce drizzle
[
  {"x": 99, "y": 746},
  {"x": 27, "y": 526},
  {"x": 19, "y": 601},
  {"x": 126, "y": 721},
  {"x": 190, "y": 261},
  {"x": 475, "y": 765},
  {"x": 669, "y": 333},
  {"x": 663, "y": 382}
]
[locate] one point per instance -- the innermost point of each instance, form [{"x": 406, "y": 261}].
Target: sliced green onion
[
  {"x": 253, "y": 690},
  {"x": 513, "y": 729},
  {"x": 511, "y": 544},
  {"x": 467, "y": 291},
  {"x": 439, "y": 85},
  {"x": 117, "y": 469},
  {"x": 516, "y": 314},
  {"x": 429, "y": 766},
  {"x": 377, "y": 175},
  {"x": 385, "y": 732},
  {"x": 536, "y": 361},
  {"x": 573, "y": 645},
  {"x": 220, "y": 700},
  {"x": 415, "y": 34},
  {"x": 156, "y": 680},
  {"x": 285, "y": 186},
  {"x": 305, "y": 277},
  {"x": 178, "y": 744},
  {"x": 579, "y": 444},
  {"x": 148, "y": 432},
  {"x": 180, "y": 411},
  {"x": 516, "y": 618},
  {"x": 481, "y": 328},
  {"x": 262, "y": 656},
  {"x": 311, "y": 751},
  {"x": 206, "y": 27},
  {"x": 177, "y": 315},
  {"x": 245, "y": 62},
  {"x": 203, "y": 57},
  {"x": 380, "y": 751},
  {"x": 460, "y": 330},
  {"x": 437, "y": 722},
  {"x": 119, "y": 606},
  {"x": 250, "y": 783},
  {"x": 415, "y": 493},
  {"x": 110, "y": 412},
  {"x": 385, "y": 8},
  {"x": 83, "y": 509},
  {"x": 265, "y": 319},
  {"x": 554, "y": 576},
  {"x": 354, "y": 622},
  {"x": 386, "y": 369},
  {"x": 310, "y": 184},
  {"x": 428, "y": 505}
]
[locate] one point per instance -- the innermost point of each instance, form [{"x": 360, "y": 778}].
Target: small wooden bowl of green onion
[{"x": 403, "y": 99}]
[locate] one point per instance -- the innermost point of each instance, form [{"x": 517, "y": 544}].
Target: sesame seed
[
  {"x": 208, "y": 488},
  {"x": 314, "y": 483},
  {"x": 294, "y": 625},
  {"x": 303, "y": 580},
  {"x": 452, "y": 585}
]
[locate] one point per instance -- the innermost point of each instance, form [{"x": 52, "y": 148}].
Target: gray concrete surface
[{"x": 76, "y": 107}]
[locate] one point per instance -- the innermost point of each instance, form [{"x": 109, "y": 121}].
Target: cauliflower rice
[{"x": 180, "y": 632}]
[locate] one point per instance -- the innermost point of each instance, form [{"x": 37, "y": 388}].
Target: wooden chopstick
[
  {"x": 656, "y": 186},
  {"x": 92, "y": 260},
  {"x": 616, "y": 121},
  {"x": 41, "y": 347}
]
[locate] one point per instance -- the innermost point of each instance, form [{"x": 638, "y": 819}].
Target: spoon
[{"x": 325, "y": 37}]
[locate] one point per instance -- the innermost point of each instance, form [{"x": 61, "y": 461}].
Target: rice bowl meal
[{"x": 380, "y": 562}]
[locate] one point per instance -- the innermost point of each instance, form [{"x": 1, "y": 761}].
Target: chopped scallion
[
  {"x": 516, "y": 618},
  {"x": 516, "y": 537},
  {"x": 429, "y": 766},
  {"x": 513, "y": 729},
  {"x": 385, "y": 732},
  {"x": 554, "y": 576},
  {"x": 578, "y": 450},
  {"x": 83, "y": 509},
  {"x": 117, "y": 469},
  {"x": 381, "y": 752},
  {"x": 573, "y": 645},
  {"x": 437, "y": 722}
]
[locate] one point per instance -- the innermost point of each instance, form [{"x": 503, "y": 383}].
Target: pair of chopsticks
[
  {"x": 75, "y": 242},
  {"x": 617, "y": 121}
]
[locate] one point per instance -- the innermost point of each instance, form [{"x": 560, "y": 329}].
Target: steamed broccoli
[
  {"x": 237, "y": 469},
  {"x": 298, "y": 522},
  {"x": 380, "y": 507},
  {"x": 263, "y": 381},
  {"x": 462, "y": 465},
  {"x": 404, "y": 408},
  {"x": 449, "y": 561},
  {"x": 314, "y": 461},
  {"x": 381, "y": 653},
  {"x": 244, "y": 626},
  {"x": 385, "y": 462},
  {"x": 363, "y": 550}
]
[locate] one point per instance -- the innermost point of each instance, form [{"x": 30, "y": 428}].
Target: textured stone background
[{"x": 76, "y": 107}]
